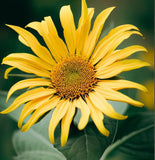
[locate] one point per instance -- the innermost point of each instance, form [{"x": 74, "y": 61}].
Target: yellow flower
[
  {"x": 149, "y": 57},
  {"x": 148, "y": 98},
  {"x": 75, "y": 74}
]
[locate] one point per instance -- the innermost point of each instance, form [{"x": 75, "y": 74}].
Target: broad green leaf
[
  {"x": 34, "y": 144},
  {"x": 85, "y": 144},
  {"x": 137, "y": 139},
  {"x": 33, "y": 141},
  {"x": 38, "y": 155},
  {"x": 88, "y": 144},
  {"x": 3, "y": 105}
]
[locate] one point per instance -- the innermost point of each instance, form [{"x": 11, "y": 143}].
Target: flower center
[{"x": 73, "y": 77}]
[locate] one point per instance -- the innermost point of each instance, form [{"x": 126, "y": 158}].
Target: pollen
[{"x": 73, "y": 77}]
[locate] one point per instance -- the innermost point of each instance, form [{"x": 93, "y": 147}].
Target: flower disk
[{"x": 73, "y": 77}]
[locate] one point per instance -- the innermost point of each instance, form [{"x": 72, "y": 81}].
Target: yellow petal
[
  {"x": 67, "y": 21},
  {"x": 27, "y": 96},
  {"x": 117, "y": 96},
  {"x": 30, "y": 107},
  {"x": 51, "y": 26},
  {"x": 120, "y": 66},
  {"x": 45, "y": 107},
  {"x": 121, "y": 54},
  {"x": 49, "y": 33},
  {"x": 97, "y": 118},
  {"x": 23, "y": 41},
  {"x": 82, "y": 32},
  {"x": 83, "y": 27},
  {"x": 66, "y": 122},
  {"x": 101, "y": 103},
  {"x": 84, "y": 13},
  {"x": 84, "y": 111},
  {"x": 96, "y": 31},
  {"x": 36, "y": 47},
  {"x": 50, "y": 42},
  {"x": 29, "y": 65},
  {"x": 7, "y": 71},
  {"x": 57, "y": 115},
  {"x": 60, "y": 46},
  {"x": 109, "y": 47},
  {"x": 29, "y": 58},
  {"x": 54, "y": 43},
  {"x": 28, "y": 83},
  {"x": 113, "y": 34},
  {"x": 121, "y": 84},
  {"x": 35, "y": 25},
  {"x": 148, "y": 98}
]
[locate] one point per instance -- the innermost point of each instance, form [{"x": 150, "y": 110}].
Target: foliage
[{"x": 129, "y": 139}]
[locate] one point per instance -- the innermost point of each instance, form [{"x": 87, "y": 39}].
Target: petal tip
[
  {"x": 144, "y": 89},
  {"x": 63, "y": 143},
  {"x": 52, "y": 140},
  {"x": 111, "y": 8},
  {"x": 139, "y": 104},
  {"x": 9, "y": 25},
  {"x": 23, "y": 129},
  {"x": 2, "y": 112},
  {"x": 106, "y": 133}
]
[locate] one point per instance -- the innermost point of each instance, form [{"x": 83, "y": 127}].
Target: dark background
[{"x": 137, "y": 12}]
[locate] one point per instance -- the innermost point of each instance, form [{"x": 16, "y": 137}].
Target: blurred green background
[{"x": 137, "y": 12}]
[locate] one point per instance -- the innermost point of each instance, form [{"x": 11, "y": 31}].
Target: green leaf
[
  {"x": 38, "y": 155},
  {"x": 136, "y": 140},
  {"x": 88, "y": 144},
  {"x": 34, "y": 144},
  {"x": 3, "y": 105}
]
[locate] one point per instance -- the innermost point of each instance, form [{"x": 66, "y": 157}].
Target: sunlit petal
[
  {"x": 57, "y": 115},
  {"x": 66, "y": 122},
  {"x": 83, "y": 27},
  {"x": 99, "y": 51},
  {"x": 27, "y": 96},
  {"x": 100, "y": 103},
  {"x": 121, "y": 84},
  {"x": 7, "y": 71},
  {"x": 121, "y": 54},
  {"x": 120, "y": 66},
  {"x": 95, "y": 32},
  {"x": 27, "y": 63},
  {"x": 84, "y": 111},
  {"x": 97, "y": 117},
  {"x": 45, "y": 107},
  {"x": 117, "y": 96},
  {"x": 68, "y": 25},
  {"x": 28, "y": 83},
  {"x": 109, "y": 47},
  {"x": 36, "y": 47},
  {"x": 30, "y": 107}
]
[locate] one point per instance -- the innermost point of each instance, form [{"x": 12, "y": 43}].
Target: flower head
[
  {"x": 75, "y": 74},
  {"x": 148, "y": 98}
]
